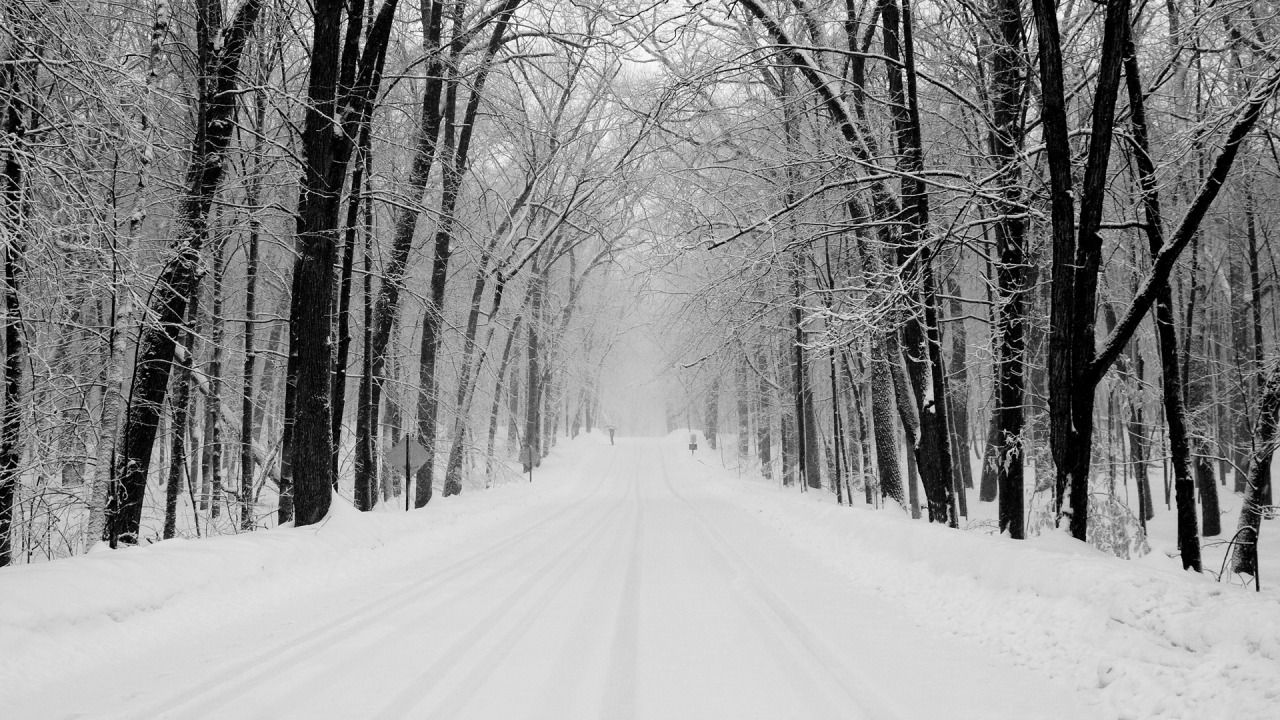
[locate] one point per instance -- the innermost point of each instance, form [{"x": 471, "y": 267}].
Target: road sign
[{"x": 406, "y": 455}]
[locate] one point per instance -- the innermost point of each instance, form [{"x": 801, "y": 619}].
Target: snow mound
[{"x": 1152, "y": 640}]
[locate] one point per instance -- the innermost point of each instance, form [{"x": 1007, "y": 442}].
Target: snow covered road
[{"x": 631, "y": 589}]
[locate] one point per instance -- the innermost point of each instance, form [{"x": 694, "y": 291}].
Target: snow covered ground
[{"x": 630, "y": 581}]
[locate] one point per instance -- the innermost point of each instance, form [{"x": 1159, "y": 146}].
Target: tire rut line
[
  {"x": 238, "y": 674},
  {"x": 545, "y": 581},
  {"x": 460, "y": 695},
  {"x": 775, "y": 612},
  {"x": 619, "y": 699}
]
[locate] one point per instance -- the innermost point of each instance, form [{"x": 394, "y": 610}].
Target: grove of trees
[{"x": 906, "y": 249}]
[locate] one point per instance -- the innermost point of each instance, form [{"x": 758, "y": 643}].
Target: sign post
[{"x": 410, "y": 455}]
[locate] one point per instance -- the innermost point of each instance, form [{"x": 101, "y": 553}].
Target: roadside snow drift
[{"x": 630, "y": 581}]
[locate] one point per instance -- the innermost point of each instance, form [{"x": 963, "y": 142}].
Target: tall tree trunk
[
  {"x": 531, "y": 442},
  {"x": 1255, "y": 303},
  {"x": 1166, "y": 335},
  {"x": 921, "y": 337},
  {"x": 711, "y": 418},
  {"x": 1075, "y": 260},
  {"x": 359, "y": 180},
  {"x": 1257, "y": 485},
  {"x": 179, "y": 423},
  {"x": 393, "y": 418},
  {"x": 514, "y": 436},
  {"x": 882, "y": 412},
  {"x": 176, "y": 283},
  {"x": 1244, "y": 365},
  {"x": 247, "y": 519},
  {"x": 1003, "y": 462},
  {"x": 1138, "y": 446},
  {"x": 453, "y": 172},
  {"x": 387, "y": 306},
  {"x": 12, "y": 222},
  {"x": 988, "y": 485},
  {"x": 498, "y": 389},
  {"x": 864, "y": 435},
  {"x": 958, "y": 397},
  {"x": 342, "y": 84},
  {"x": 789, "y": 407},
  {"x": 764, "y": 418},
  {"x": 1210, "y": 515},
  {"x": 211, "y": 456},
  {"x": 310, "y": 345},
  {"x": 742, "y": 406},
  {"x": 837, "y": 430}
]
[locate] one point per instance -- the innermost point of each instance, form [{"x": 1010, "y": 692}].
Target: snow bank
[
  {"x": 1153, "y": 641},
  {"x": 136, "y": 598}
]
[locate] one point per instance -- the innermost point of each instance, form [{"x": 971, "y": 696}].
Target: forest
[{"x": 262, "y": 256}]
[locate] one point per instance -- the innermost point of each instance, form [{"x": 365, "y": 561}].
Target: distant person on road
[{"x": 611, "y": 429}]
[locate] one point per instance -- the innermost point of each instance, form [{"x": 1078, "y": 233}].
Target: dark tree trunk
[
  {"x": 864, "y": 435},
  {"x": 958, "y": 397},
  {"x": 530, "y": 447},
  {"x": 921, "y": 337},
  {"x": 882, "y": 399},
  {"x": 387, "y": 306},
  {"x": 711, "y": 418},
  {"x": 1076, "y": 260},
  {"x": 284, "y": 510},
  {"x": 860, "y": 143},
  {"x": 342, "y": 83},
  {"x": 1255, "y": 303},
  {"x": 1166, "y": 335},
  {"x": 359, "y": 180},
  {"x": 1244, "y": 365},
  {"x": 988, "y": 485},
  {"x": 453, "y": 172},
  {"x": 837, "y": 431},
  {"x": 364, "y": 403},
  {"x": 514, "y": 440},
  {"x": 788, "y": 446},
  {"x": 764, "y": 420},
  {"x": 1006, "y": 446},
  {"x": 247, "y": 519},
  {"x": 393, "y": 420},
  {"x": 743, "y": 408},
  {"x": 176, "y": 283},
  {"x": 12, "y": 217},
  {"x": 179, "y": 422},
  {"x": 1258, "y": 482},
  {"x": 211, "y": 452},
  {"x": 1211, "y": 517},
  {"x": 1138, "y": 447}
]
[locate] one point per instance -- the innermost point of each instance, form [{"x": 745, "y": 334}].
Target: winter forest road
[{"x": 642, "y": 592}]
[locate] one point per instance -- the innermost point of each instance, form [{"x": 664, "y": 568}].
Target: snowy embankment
[
  {"x": 67, "y": 616},
  {"x": 1134, "y": 639},
  {"x": 1150, "y": 640}
]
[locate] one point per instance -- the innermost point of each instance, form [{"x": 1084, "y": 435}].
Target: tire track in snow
[
  {"x": 217, "y": 689},
  {"x": 598, "y": 560},
  {"x": 534, "y": 593},
  {"x": 619, "y": 699},
  {"x": 788, "y": 628}
]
